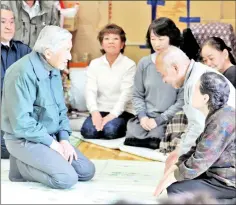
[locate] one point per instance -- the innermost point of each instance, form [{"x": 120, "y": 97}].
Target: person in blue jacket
[
  {"x": 11, "y": 51},
  {"x": 34, "y": 116}
]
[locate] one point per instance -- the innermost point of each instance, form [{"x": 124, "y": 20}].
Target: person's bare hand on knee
[
  {"x": 151, "y": 123},
  {"x": 58, "y": 148},
  {"x": 97, "y": 120},
  {"x": 144, "y": 123},
  {"x": 148, "y": 123},
  {"x": 69, "y": 151},
  {"x": 107, "y": 119}
]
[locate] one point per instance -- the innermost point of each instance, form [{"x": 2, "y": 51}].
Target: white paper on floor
[
  {"x": 114, "y": 179},
  {"x": 112, "y": 144},
  {"x": 145, "y": 152},
  {"x": 119, "y": 144}
]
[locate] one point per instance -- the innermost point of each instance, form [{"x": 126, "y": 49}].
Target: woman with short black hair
[
  {"x": 164, "y": 26},
  {"x": 154, "y": 101}
]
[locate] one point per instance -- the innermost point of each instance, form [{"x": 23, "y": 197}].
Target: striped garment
[
  {"x": 174, "y": 129},
  {"x": 215, "y": 150}
]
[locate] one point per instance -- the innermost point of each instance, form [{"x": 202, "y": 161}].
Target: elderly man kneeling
[{"x": 34, "y": 116}]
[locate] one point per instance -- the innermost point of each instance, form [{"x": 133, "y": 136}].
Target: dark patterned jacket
[{"x": 215, "y": 150}]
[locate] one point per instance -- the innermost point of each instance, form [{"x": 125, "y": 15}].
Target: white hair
[
  {"x": 51, "y": 37},
  {"x": 175, "y": 56}
]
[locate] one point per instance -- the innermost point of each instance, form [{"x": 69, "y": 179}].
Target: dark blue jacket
[{"x": 10, "y": 55}]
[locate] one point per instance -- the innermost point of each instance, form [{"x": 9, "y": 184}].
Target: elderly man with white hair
[
  {"x": 34, "y": 116},
  {"x": 179, "y": 71}
]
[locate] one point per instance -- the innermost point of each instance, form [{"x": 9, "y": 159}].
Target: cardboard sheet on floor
[{"x": 119, "y": 144}]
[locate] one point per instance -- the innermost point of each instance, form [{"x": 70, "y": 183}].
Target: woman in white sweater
[{"x": 109, "y": 87}]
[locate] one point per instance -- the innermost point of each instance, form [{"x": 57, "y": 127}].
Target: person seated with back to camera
[{"x": 210, "y": 164}]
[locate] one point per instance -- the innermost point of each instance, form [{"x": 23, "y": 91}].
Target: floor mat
[
  {"x": 145, "y": 152},
  {"x": 112, "y": 144},
  {"x": 75, "y": 141},
  {"x": 119, "y": 144},
  {"x": 114, "y": 179}
]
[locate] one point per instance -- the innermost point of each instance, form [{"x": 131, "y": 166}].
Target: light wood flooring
[{"x": 97, "y": 152}]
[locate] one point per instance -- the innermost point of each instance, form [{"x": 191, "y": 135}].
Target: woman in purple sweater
[{"x": 210, "y": 165}]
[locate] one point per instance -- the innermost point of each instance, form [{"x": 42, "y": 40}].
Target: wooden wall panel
[{"x": 135, "y": 17}]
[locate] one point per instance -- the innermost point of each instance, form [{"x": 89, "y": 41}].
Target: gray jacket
[
  {"x": 151, "y": 96},
  {"x": 196, "y": 120},
  {"x": 27, "y": 30}
]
